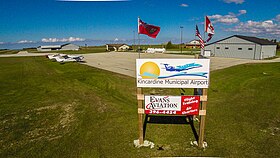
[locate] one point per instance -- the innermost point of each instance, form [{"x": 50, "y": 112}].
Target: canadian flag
[{"x": 209, "y": 28}]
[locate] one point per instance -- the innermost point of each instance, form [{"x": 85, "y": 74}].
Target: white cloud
[
  {"x": 242, "y": 12},
  {"x": 267, "y": 28},
  {"x": 1, "y": 42},
  {"x": 70, "y": 39},
  {"x": 277, "y": 18},
  {"x": 24, "y": 41},
  {"x": 226, "y": 19},
  {"x": 231, "y": 18},
  {"x": 184, "y": 5},
  {"x": 235, "y": 1},
  {"x": 116, "y": 39}
]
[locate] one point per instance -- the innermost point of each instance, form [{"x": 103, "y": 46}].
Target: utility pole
[
  {"x": 134, "y": 40},
  {"x": 181, "y": 27}
]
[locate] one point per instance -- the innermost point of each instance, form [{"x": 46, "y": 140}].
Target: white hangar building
[
  {"x": 67, "y": 46},
  {"x": 245, "y": 47}
]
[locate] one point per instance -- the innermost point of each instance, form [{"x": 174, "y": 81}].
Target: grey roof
[
  {"x": 68, "y": 44},
  {"x": 251, "y": 39},
  {"x": 50, "y": 47},
  {"x": 116, "y": 45},
  {"x": 256, "y": 40}
]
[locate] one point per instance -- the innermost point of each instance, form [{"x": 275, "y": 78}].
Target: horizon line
[{"x": 93, "y": 0}]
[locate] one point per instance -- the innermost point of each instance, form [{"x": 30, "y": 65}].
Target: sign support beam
[
  {"x": 202, "y": 120},
  {"x": 140, "y": 116}
]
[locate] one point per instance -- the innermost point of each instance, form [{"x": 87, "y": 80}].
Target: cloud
[
  {"x": 277, "y": 18},
  {"x": 242, "y": 12},
  {"x": 184, "y": 5},
  {"x": 268, "y": 27},
  {"x": 24, "y": 41},
  {"x": 231, "y": 18},
  {"x": 1, "y": 42},
  {"x": 70, "y": 39},
  {"x": 226, "y": 19},
  {"x": 235, "y": 1}
]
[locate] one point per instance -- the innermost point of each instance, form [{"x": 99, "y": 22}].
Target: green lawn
[
  {"x": 83, "y": 50},
  {"x": 49, "y": 109},
  {"x": 6, "y": 51}
]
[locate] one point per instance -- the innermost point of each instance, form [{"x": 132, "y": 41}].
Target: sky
[{"x": 31, "y": 23}]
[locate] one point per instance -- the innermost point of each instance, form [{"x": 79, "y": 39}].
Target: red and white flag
[
  {"x": 209, "y": 28},
  {"x": 147, "y": 29},
  {"x": 199, "y": 36}
]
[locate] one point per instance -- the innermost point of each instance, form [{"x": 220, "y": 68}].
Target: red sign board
[{"x": 172, "y": 105}]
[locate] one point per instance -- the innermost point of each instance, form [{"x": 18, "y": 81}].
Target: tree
[{"x": 169, "y": 45}]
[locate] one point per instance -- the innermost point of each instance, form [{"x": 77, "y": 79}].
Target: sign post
[
  {"x": 140, "y": 98},
  {"x": 173, "y": 73},
  {"x": 202, "y": 119}
]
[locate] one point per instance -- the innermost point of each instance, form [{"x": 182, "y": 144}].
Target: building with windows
[
  {"x": 193, "y": 44},
  {"x": 117, "y": 47},
  {"x": 245, "y": 47}
]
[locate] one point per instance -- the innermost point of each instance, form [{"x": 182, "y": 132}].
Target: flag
[
  {"x": 200, "y": 38},
  {"x": 147, "y": 29},
  {"x": 209, "y": 28}
]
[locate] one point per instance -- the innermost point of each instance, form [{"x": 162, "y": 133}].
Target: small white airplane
[
  {"x": 65, "y": 58},
  {"x": 76, "y": 57},
  {"x": 54, "y": 56}
]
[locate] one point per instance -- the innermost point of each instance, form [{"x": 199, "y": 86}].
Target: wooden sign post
[
  {"x": 173, "y": 73},
  {"x": 140, "y": 99},
  {"x": 202, "y": 118}
]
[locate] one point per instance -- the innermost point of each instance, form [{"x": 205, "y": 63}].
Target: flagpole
[
  {"x": 138, "y": 40},
  {"x": 204, "y": 37},
  {"x": 194, "y": 37},
  {"x": 133, "y": 40},
  {"x": 139, "y": 46}
]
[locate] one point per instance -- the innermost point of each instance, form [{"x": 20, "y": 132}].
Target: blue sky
[{"x": 30, "y": 23}]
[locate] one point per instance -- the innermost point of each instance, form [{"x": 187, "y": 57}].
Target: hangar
[
  {"x": 245, "y": 47},
  {"x": 67, "y": 46}
]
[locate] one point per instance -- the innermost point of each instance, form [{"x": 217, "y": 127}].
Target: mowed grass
[
  {"x": 83, "y": 50},
  {"x": 49, "y": 109},
  {"x": 6, "y": 51}
]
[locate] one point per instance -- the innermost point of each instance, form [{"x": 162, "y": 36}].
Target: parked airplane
[
  {"x": 181, "y": 68},
  {"x": 54, "y": 56},
  {"x": 66, "y": 58}
]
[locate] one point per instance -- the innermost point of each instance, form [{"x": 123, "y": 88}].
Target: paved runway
[{"x": 125, "y": 62}]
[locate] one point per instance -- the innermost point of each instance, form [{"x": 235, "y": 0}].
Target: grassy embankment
[{"x": 69, "y": 110}]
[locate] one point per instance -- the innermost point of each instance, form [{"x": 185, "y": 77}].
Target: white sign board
[{"x": 173, "y": 73}]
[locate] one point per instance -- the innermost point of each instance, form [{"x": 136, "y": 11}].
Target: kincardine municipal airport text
[{"x": 175, "y": 83}]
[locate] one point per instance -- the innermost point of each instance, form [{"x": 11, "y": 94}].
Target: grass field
[
  {"x": 8, "y": 51},
  {"x": 83, "y": 50},
  {"x": 49, "y": 109}
]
